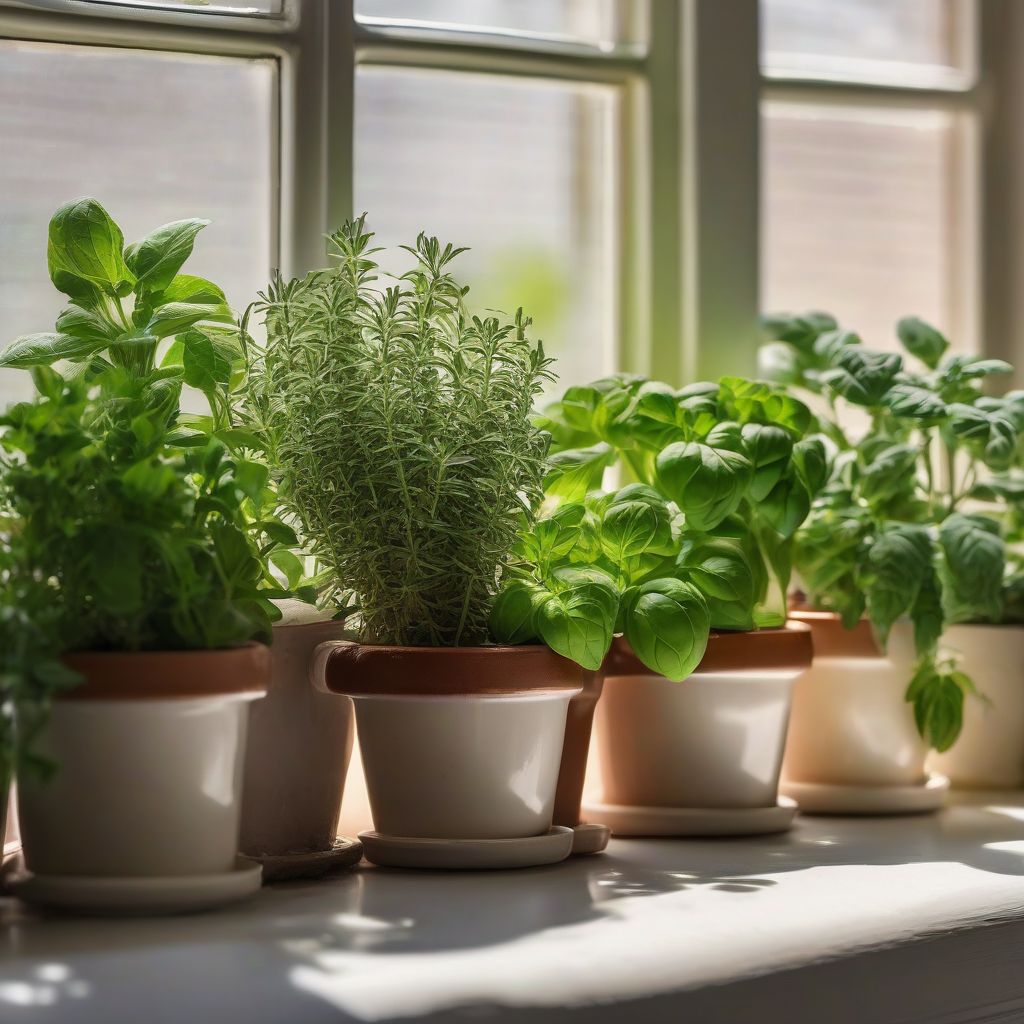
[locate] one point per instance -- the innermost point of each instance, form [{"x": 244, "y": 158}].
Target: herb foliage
[{"x": 399, "y": 428}]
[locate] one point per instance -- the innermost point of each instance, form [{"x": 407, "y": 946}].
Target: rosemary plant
[{"x": 399, "y": 428}]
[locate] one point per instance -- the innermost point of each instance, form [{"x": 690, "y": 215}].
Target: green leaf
[
  {"x": 159, "y": 256},
  {"x": 195, "y": 290},
  {"x": 578, "y": 618},
  {"x": 174, "y": 317},
  {"x": 862, "y": 376},
  {"x": 938, "y": 701},
  {"x": 251, "y": 478},
  {"x": 290, "y": 565},
  {"x": 921, "y": 340},
  {"x": 721, "y": 571},
  {"x": 85, "y": 243},
  {"x": 86, "y": 324},
  {"x": 891, "y": 472},
  {"x": 45, "y": 348},
  {"x": 667, "y": 623},
  {"x": 768, "y": 448},
  {"x": 706, "y": 483},
  {"x": 971, "y": 569},
  {"x": 899, "y": 561},
  {"x": 571, "y": 474},
  {"x": 205, "y": 368},
  {"x": 786, "y": 507},
  {"x": 810, "y": 461},
  {"x": 513, "y": 613},
  {"x": 912, "y": 401},
  {"x": 631, "y": 528}
]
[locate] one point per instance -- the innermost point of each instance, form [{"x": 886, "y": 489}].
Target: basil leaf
[
  {"x": 706, "y": 483},
  {"x": 512, "y": 614},
  {"x": 578, "y": 618},
  {"x": 810, "y": 461},
  {"x": 971, "y": 569},
  {"x": 785, "y": 507},
  {"x": 205, "y": 368},
  {"x": 898, "y": 562},
  {"x": 938, "y": 701},
  {"x": 719, "y": 568},
  {"x": 571, "y": 474},
  {"x": 84, "y": 242},
  {"x": 176, "y": 316},
  {"x": 667, "y": 624},
  {"x": 45, "y": 348},
  {"x": 912, "y": 401},
  {"x": 862, "y": 376},
  {"x": 189, "y": 288},
  {"x": 768, "y": 448},
  {"x": 86, "y": 324},
  {"x": 891, "y": 473},
  {"x": 631, "y": 528},
  {"x": 159, "y": 256},
  {"x": 921, "y": 340}
]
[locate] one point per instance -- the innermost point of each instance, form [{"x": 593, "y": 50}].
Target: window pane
[
  {"x": 863, "y": 216},
  {"x": 887, "y": 39},
  {"x": 601, "y": 22},
  {"x": 523, "y": 172},
  {"x": 82, "y": 121},
  {"x": 238, "y": 7}
]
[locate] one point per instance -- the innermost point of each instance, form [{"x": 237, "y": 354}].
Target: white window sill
[{"x": 902, "y": 919}]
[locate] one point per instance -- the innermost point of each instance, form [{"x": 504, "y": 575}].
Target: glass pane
[
  {"x": 520, "y": 170},
  {"x": 237, "y": 7},
  {"x": 601, "y": 22},
  {"x": 863, "y": 216},
  {"x": 90, "y": 121},
  {"x": 888, "y": 39}
]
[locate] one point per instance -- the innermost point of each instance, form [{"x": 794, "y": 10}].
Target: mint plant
[
  {"x": 921, "y": 509},
  {"x": 726, "y": 472}
]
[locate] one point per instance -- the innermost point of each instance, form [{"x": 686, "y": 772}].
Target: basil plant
[
  {"x": 921, "y": 516},
  {"x": 722, "y": 476}
]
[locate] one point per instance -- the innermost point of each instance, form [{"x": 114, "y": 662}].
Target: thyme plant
[{"x": 399, "y": 426}]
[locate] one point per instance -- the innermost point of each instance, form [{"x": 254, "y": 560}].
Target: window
[{"x": 870, "y": 150}]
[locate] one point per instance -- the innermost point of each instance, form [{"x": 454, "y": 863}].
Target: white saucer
[
  {"x": 820, "y": 798},
  {"x": 590, "y": 839},
  {"x": 135, "y": 897},
  {"x": 626, "y": 820},
  {"x": 285, "y": 867},
  {"x": 401, "y": 852}
]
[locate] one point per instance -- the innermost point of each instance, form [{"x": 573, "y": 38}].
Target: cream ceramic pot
[
  {"x": 850, "y": 724},
  {"x": 149, "y": 752},
  {"x": 990, "y": 751},
  {"x": 715, "y": 739},
  {"x": 457, "y": 743}
]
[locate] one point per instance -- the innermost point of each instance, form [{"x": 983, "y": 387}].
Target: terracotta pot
[
  {"x": 149, "y": 752},
  {"x": 850, "y": 724},
  {"x": 713, "y": 740},
  {"x": 300, "y": 742},
  {"x": 457, "y": 743},
  {"x": 990, "y": 751},
  {"x": 572, "y": 772}
]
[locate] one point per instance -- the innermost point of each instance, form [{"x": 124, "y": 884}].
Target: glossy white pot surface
[
  {"x": 990, "y": 751},
  {"x": 850, "y": 724},
  {"x": 143, "y": 787},
  {"x": 462, "y": 767},
  {"x": 712, "y": 740}
]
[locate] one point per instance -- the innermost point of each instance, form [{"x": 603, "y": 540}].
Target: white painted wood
[{"x": 841, "y": 920}]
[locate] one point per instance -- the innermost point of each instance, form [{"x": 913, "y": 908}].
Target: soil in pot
[
  {"x": 457, "y": 743},
  {"x": 149, "y": 752}
]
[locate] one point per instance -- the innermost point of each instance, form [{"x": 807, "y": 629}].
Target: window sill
[{"x": 842, "y": 919}]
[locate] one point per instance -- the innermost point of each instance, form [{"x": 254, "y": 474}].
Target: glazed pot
[
  {"x": 457, "y": 743},
  {"x": 850, "y": 724},
  {"x": 300, "y": 742},
  {"x": 714, "y": 740},
  {"x": 149, "y": 751},
  {"x": 572, "y": 771},
  {"x": 990, "y": 751}
]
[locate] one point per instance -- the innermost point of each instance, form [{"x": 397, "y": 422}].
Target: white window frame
[{"x": 686, "y": 260}]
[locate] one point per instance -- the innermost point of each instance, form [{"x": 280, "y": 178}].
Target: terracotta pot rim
[
  {"x": 372, "y": 670},
  {"x": 169, "y": 675},
  {"x": 783, "y": 648},
  {"x": 832, "y": 639}
]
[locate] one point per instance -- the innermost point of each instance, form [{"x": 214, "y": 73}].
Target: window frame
[{"x": 681, "y": 178}]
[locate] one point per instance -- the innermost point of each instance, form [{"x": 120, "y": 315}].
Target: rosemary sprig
[{"x": 399, "y": 428}]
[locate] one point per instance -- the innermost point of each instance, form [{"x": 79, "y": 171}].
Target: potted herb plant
[
  {"x": 399, "y": 429},
  {"x": 695, "y": 556},
  {"x": 138, "y": 531},
  {"x": 910, "y": 536}
]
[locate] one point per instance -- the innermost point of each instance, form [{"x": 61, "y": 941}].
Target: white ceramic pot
[
  {"x": 457, "y": 743},
  {"x": 990, "y": 751},
  {"x": 149, "y": 752},
  {"x": 713, "y": 740},
  {"x": 850, "y": 724}
]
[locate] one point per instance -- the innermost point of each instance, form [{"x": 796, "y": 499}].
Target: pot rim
[
  {"x": 368, "y": 670},
  {"x": 786, "y": 648},
  {"x": 169, "y": 675},
  {"x": 832, "y": 639}
]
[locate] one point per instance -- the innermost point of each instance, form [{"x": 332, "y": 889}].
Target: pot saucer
[
  {"x": 589, "y": 839},
  {"x": 820, "y": 798},
  {"x": 136, "y": 897},
  {"x": 286, "y": 867},
  {"x": 477, "y": 854},
  {"x": 627, "y": 820}
]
